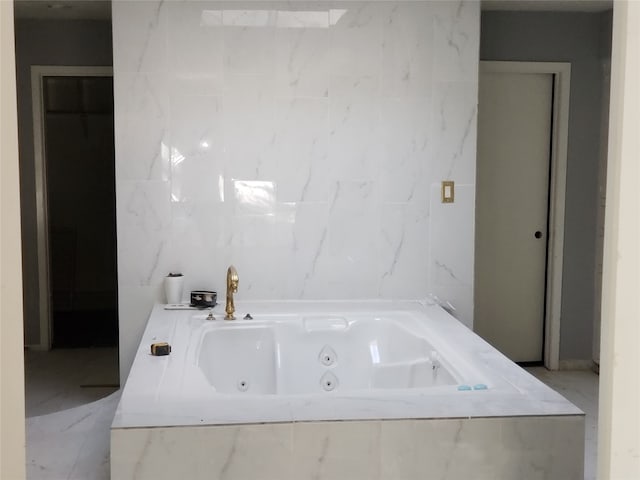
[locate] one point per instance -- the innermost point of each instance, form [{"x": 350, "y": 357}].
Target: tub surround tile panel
[
  {"x": 135, "y": 301},
  {"x": 407, "y": 49},
  {"x": 451, "y": 250},
  {"x": 299, "y": 141},
  {"x": 144, "y": 222},
  {"x": 241, "y": 452},
  {"x": 336, "y": 450},
  {"x": 296, "y": 76},
  {"x": 455, "y": 46},
  {"x": 454, "y": 121},
  {"x": 483, "y": 449},
  {"x": 141, "y": 134},
  {"x": 183, "y": 53},
  {"x": 303, "y": 150},
  {"x": 403, "y": 228},
  {"x": 140, "y": 42}
]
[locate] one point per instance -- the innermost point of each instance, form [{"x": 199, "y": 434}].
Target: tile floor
[
  {"x": 71, "y": 397},
  {"x": 62, "y": 379},
  {"x": 580, "y": 388},
  {"x": 68, "y": 426}
]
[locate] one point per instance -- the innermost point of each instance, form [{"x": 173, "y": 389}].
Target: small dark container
[
  {"x": 160, "y": 349},
  {"x": 203, "y": 298}
]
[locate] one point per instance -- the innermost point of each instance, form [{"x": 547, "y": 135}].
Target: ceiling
[
  {"x": 101, "y": 9},
  {"x": 63, "y": 9}
]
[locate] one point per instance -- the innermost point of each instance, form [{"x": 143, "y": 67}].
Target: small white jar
[{"x": 173, "y": 284}]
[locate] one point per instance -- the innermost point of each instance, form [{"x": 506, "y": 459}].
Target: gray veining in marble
[{"x": 300, "y": 141}]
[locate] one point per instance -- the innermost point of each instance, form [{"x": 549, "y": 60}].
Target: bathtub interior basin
[{"x": 314, "y": 354}]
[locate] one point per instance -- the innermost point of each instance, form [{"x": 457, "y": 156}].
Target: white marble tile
[
  {"x": 357, "y": 87},
  {"x": 191, "y": 24},
  {"x": 71, "y": 444},
  {"x": 259, "y": 267},
  {"x": 249, "y": 41},
  {"x": 403, "y": 227},
  {"x": 581, "y": 388},
  {"x": 302, "y": 145},
  {"x": 302, "y": 68},
  {"x": 196, "y": 83},
  {"x": 250, "y": 112},
  {"x": 93, "y": 461},
  {"x": 58, "y": 379},
  {"x": 197, "y": 129},
  {"x": 353, "y": 238},
  {"x": 48, "y": 455},
  {"x": 451, "y": 251},
  {"x": 134, "y": 301},
  {"x": 540, "y": 448},
  {"x": 355, "y": 38},
  {"x": 455, "y": 46},
  {"x": 252, "y": 198},
  {"x": 333, "y": 450},
  {"x": 308, "y": 265},
  {"x": 405, "y": 138},
  {"x": 197, "y": 180},
  {"x": 139, "y": 36},
  {"x": 248, "y": 451},
  {"x": 354, "y": 138},
  {"x": 141, "y": 134},
  {"x": 446, "y": 448},
  {"x": 144, "y": 221},
  {"x": 200, "y": 234},
  {"x": 407, "y": 49},
  {"x": 490, "y": 449},
  {"x": 454, "y": 124}
]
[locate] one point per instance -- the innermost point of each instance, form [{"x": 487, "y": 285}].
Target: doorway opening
[
  {"x": 75, "y": 184},
  {"x": 76, "y": 358}
]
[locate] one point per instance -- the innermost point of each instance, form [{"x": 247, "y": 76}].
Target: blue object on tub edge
[
  {"x": 480, "y": 386},
  {"x": 464, "y": 388}
]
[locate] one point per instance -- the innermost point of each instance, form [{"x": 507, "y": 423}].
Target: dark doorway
[{"x": 81, "y": 210}]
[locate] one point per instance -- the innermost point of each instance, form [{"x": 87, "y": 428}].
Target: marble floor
[
  {"x": 70, "y": 399},
  {"x": 581, "y": 389},
  {"x": 68, "y": 425},
  {"x": 61, "y": 379}
]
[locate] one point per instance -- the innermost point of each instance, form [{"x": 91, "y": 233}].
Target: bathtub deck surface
[{"x": 166, "y": 391}]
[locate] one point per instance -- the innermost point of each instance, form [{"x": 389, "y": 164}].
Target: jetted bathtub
[
  {"x": 376, "y": 365},
  {"x": 314, "y": 354}
]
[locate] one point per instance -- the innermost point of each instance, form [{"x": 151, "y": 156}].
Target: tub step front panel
[{"x": 455, "y": 449}]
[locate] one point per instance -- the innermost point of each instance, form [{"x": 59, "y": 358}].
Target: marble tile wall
[
  {"x": 479, "y": 448},
  {"x": 303, "y": 142}
]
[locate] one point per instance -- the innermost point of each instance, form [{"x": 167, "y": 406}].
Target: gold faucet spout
[{"x": 232, "y": 287}]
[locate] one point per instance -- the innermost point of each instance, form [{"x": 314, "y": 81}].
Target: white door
[{"x": 514, "y": 141}]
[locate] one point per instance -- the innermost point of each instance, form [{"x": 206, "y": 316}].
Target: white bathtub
[
  {"x": 316, "y": 354},
  {"x": 339, "y": 391},
  {"x": 299, "y": 361}
]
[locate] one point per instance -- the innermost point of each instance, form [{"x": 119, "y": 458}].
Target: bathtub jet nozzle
[{"x": 232, "y": 287}]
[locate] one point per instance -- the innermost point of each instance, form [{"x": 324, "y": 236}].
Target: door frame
[
  {"x": 561, "y": 72},
  {"x": 38, "y": 72}
]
